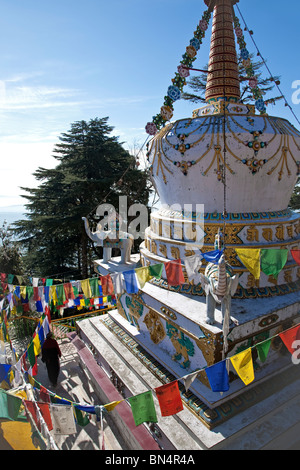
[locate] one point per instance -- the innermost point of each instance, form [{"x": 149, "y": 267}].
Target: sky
[{"x": 68, "y": 60}]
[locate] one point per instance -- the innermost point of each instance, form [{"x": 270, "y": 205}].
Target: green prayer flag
[
  {"x": 29, "y": 292},
  {"x": 143, "y": 408},
  {"x": 10, "y": 278},
  {"x": 263, "y": 349},
  {"x": 9, "y": 406},
  {"x": 156, "y": 270},
  {"x": 61, "y": 296},
  {"x": 94, "y": 287},
  {"x": 30, "y": 354},
  {"x": 272, "y": 261},
  {"x": 81, "y": 418},
  {"x": 49, "y": 282}
]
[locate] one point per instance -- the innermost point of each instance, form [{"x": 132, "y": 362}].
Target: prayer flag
[
  {"x": 111, "y": 406},
  {"x": 192, "y": 266},
  {"x": 44, "y": 395},
  {"x": 243, "y": 365},
  {"x": 263, "y": 349},
  {"x": 81, "y": 417},
  {"x": 143, "y": 408},
  {"x": 174, "y": 273},
  {"x": 37, "y": 345},
  {"x": 169, "y": 399},
  {"x": 31, "y": 355},
  {"x": 49, "y": 282},
  {"x": 218, "y": 377},
  {"x": 212, "y": 256},
  {"x": 118, "y": 283},
  {"x": 61, "y": 297},
  {"x": 289, "y": 336},
  {"x": 189, "y": 379},
  {"x": 272, "y": 261},
  {"x": 156, "y": 270},
  {"x": 296, "y": 255},
  {"x": 94, "y": 285},
  {"x": 107, "y": 285},
  {"x": 131, "y": 281},
  {"x": 45, "y": 412},
  {"x": 143, "y": 275},
  {"x": 9, "y": 406},
  {"x": 63, "y": 419},
  {"x": 4, "y": 370},
  {"x": 85, "y": 286},
  {"x": 69, "y": 294},
  {"x": 251, "y": 259}
]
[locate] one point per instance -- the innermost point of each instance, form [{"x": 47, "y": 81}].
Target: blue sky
[{"x": 67, "y": 60}]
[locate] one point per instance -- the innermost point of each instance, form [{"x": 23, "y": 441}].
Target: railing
[{"x": 24, "y": 326}]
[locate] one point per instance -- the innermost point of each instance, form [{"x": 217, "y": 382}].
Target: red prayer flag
[
  {"x": 45, "y": 412},
  {"x": 44, "y": 395},
  {"x": 68, "y": 288},
  {"x": 36, "y": 296},
  {"x": 174, "y": 272},
  {"x": 107, "y": 285},
  {"x": 289, "y": 336},
  {"x": 296, "y": 255},
  {"x": 31, "y": 408},
  {"x": 169, "y": 399}
]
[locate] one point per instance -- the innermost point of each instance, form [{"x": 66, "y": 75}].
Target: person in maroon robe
[{"x": 50, "y": 356}]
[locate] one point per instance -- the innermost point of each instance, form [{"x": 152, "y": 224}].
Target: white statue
[{"x": 107, "y": 239}]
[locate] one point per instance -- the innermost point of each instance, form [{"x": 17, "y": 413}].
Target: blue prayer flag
[
  {"x": 131, "y": 282},
  {"x": 218, "y": 377},
  {"x": 213, "y": 256}
]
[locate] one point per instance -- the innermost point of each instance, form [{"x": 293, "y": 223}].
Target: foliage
[
  {"x": 10, "y": 254},
  {"x": 91, "y": 164},
  {"x": 295, "y": 199},
  {"x": 197, "y": 84}
]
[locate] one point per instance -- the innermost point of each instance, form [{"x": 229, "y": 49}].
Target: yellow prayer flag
[
  {"x": 53, "y": 294},
  {"x": 143, "y": 275},
  {"x": 82, "y": 303},
  {"x": 250, "y": 257},
  {"x": 23, "y": 291},
  {"x": 243, "y": 365},
  {"x": 86, "y": 289},
  {"x": 36, "y": 345},
  {"x": 111, "y": 406}
]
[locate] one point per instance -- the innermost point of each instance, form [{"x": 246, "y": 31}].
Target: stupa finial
[{"x": 223, "y": 75}]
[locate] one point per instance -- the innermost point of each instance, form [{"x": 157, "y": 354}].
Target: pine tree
[{"x": 91, "y": 164}]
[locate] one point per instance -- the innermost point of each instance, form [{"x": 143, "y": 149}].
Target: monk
[{"x": 50, "y": 355}]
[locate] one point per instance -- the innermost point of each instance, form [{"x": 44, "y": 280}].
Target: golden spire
[{"x": 223, "y": 75}]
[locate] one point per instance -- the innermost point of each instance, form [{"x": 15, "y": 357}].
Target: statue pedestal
[{"x": 115, "y": 266}]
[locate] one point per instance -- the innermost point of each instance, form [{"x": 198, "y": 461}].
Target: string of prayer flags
[
  {"x": 250, "y": 257},
  {"x": 192, "y": 265},
  {"x": 131, "y": 281},
  {"x": 263, "y": 349},
  {"x": 213, "y": 256},
  {"x": 169, "y": 399},
  {"x": 272, "y": 261},
  {"x": 174, "y": 273},
  {"x": 296, "y": 255},
  {"x": 156, "y": 270},
  {"x": 218, "y": 377},
  {"x": 243, "y": 364},
  {"x": 143, "y": 408},
  {"x": 289, "y": 337}
]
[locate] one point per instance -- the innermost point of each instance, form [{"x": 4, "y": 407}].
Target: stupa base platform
[{"x": 265, "y": 416}]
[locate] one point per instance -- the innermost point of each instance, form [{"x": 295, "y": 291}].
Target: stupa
[{"x": 225, "y": 176}]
